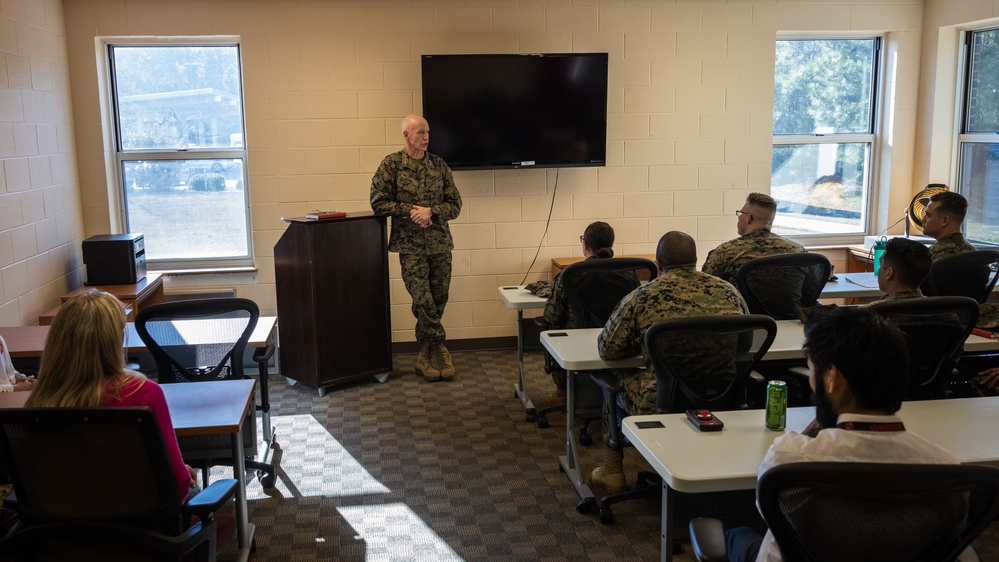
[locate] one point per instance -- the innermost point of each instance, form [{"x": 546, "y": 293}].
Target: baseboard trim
[{"x": 505, "y": 342}]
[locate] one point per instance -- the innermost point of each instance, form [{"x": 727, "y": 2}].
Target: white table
[
  {"x": 579, "y": 347},
  {"x": 520, "y": 299},
  {"x": 695, "y": 462},
  {"x": 574, "y": 351},
  {"x": 845, "y": 287}
]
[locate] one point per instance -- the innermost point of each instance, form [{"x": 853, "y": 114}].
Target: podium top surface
[{"x": 350, "y": 215}]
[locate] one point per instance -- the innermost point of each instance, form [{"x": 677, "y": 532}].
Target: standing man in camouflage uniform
[
  {"x": 680, "y": 291},
  {"x": 417, "y": 190},
  {"x": 904, "y": 265},
  {"x": 755, "y": 239},
  {"x": 942, "y": 220}
]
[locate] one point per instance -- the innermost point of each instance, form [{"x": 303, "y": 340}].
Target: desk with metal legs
[
  {"x": 695, "y": 462},
  {"x": 575, "y": 354},
  {"x": 212, "y": 408},
  {"x": 520, "y": 299}
]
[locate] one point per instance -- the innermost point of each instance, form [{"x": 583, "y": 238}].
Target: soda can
[{"x": 776, "y": 405}]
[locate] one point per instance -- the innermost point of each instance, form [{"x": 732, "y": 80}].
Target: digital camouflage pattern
[
  {"x": 424, "y": 253},
  {"x": 729, "y": 256},
  {"x": 898, "y": 296},
  {"x": 950, "y": 245},
  {"x": 401, "y": 182},
  {"x": 678, "y": 293}
]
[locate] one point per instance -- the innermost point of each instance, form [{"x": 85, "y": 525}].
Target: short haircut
[
  {"x": 870, "y": 353},
  {"x": 951, "y": 203},
  {"x": 599, "y": 236},
  {"x": 909, "y": 259},
  {"x": 676, "y": 248},
  {"x": 762, "y": 200}
]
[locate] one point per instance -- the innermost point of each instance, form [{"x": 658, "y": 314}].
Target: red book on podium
[{"x": 323, "y": 215}]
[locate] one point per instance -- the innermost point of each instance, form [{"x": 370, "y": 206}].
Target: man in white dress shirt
[{"x": 857, "y": 363}]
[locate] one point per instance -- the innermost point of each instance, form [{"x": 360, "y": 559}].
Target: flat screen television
[{"x": 517, "y": 111}]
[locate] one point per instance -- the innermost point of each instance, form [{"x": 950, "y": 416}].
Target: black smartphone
[{"x": 704, "y": 420}]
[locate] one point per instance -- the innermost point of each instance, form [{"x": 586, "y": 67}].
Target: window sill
[{"x": 206, "y": 271}]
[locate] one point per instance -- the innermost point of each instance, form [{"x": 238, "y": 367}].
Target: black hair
[
  {"x": 951, "y": 203},
  {"x": 910, "y": 260},
  {"x": 599, "y": 236},
  {"x": 870, "y": 353}
]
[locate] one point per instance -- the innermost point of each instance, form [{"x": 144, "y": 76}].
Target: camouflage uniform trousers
[{"x": 428, "y": 280}]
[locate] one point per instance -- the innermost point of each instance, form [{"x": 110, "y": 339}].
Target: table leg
[
  {"x": 570, "y": 461},
  {"x": 244, "y": 530},
  {"x": 520, "y": 389},
  {"x": 666, "y": 548}
]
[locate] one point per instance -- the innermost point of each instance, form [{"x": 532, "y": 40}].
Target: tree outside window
[
  {"x": 978, "y": 165},
  {"x": 824, "y": 108}
]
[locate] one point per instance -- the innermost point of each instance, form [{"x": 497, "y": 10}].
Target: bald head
[
  {"x": 676, "y": 249},
  {"x": 416, "y": 131}
]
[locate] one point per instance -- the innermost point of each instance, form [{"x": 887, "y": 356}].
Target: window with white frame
[
  {"x": 180, "y": 158},
  {"x": 825, "y": 100},
  {"x": 978, "y": 161}
]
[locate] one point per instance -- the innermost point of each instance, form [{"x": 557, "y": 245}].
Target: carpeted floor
[{"x": 409, "y": 470}]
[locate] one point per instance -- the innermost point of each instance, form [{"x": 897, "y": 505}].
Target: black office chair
[
  {"x": 97, "y": 484},
  {"x": 862, "y": 512},
  {"x": 780, "y": 286},
  {"x": 935, "y": 329},
  {"x": 593, "y": 289},
  {"x": 218, "y": 330},
  {"x": 971, "y": 274},
  {"x": 700, "y": 363}
]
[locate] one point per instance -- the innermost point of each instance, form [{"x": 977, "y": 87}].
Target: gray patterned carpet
[{"x": 408, "y": 470}]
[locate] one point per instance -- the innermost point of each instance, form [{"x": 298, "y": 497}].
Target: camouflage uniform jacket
[
  {"x": 401, "y": 182},
  {"x": 897, "y": 296},
  {"x": 678, "y": 293},
  {"x": 949, "y": 246},
  {"x": 729, "y": 256}
]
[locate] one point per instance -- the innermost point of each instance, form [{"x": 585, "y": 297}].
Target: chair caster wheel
[
  {"x": 530, "y": 418},
  {"x": 606, "y": 515},
  {"x": 542, "y": 422},
  {"x": 584, "y": 506},
  {"x": 267, "y": 481},
  {"x": 585, "y": 439}
]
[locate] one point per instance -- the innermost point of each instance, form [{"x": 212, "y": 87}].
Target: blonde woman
[{"x": 83, "y": 366}]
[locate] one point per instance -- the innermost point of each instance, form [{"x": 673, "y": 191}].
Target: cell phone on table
[{"x": 704, "y": 420}]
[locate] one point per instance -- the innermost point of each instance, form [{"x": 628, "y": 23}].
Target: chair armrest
[
  {"x": 541, "y": 323},
  {"x": 707, "y": 537},
  {"x": 211, "y": 498},
  {"x": 10, "y": 502},
  {"x": 263, "y": 354}
]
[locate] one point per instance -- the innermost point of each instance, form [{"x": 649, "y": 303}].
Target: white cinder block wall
[{"x": 326, "y": 82}]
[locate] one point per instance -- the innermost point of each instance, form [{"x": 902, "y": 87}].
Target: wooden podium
[{"x": 333, "y": 300}]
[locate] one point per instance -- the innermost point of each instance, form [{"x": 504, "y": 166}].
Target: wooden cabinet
[{"x": 333, "y": 300}]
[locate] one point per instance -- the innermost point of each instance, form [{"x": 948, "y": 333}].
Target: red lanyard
[{"x": 871, "y": 426}]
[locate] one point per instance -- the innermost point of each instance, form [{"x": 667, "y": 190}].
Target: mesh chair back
[
  {"x": 971, "y": 274},
  {"x": 594, "y": 288},
  {"x": 703, "y": 362},
  {"x": 876, "y": 511},
  {"x": 780, "y": 286},
  {"x": 935, "y": 329},
  {"x": 198, "y": 340},
  {"x": 90, "y": 464}
]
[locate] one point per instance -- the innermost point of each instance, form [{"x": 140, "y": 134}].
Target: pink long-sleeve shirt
[{"x": 148, "y": 393}]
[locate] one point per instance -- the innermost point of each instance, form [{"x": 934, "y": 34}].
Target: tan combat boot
[
  {"x": 440, "y": 358},
  {"x": 610, "y": 476},
  {"x": 557, "y": 397},
  {"x": 424, "y": 367}
]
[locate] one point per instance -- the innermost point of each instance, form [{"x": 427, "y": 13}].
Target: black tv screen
[{"x": 517, "y": 111}]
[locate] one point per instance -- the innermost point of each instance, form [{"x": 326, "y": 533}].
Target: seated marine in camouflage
[
  {"x": 755, "y": 240},
  {"x": 679, "y": 291},
  {"x": 942, "y": 220}
]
